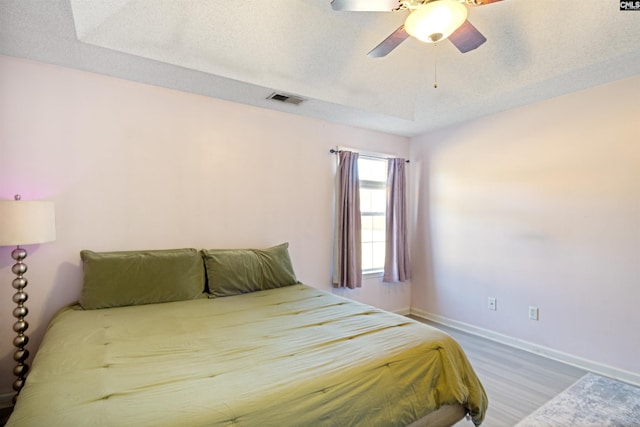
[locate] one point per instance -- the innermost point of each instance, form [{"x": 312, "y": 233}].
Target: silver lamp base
[{"x": 21, "y": 325}]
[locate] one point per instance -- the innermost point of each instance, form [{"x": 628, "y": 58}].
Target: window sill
[{"x": 373, "y": 273}]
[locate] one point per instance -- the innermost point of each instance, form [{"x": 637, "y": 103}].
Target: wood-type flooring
[{"x": 517, "y": 382}]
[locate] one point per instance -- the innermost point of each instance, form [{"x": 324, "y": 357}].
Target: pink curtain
[
  {"x": 348, "y": 251},
  {"x": 397, "y": 266}
]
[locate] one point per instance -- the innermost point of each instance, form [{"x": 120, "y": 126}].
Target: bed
[{"x": 256, "y": 348}]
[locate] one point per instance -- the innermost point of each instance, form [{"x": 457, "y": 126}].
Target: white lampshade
[
  {"x": 26, "y": 222},
  {"x": 436, "y": 20}
]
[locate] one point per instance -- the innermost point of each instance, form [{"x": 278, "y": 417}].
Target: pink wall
[
  {"x": 132, "y": 166},
  {"x": 537, "y": 206}
]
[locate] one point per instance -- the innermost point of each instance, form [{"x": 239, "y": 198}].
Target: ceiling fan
[{"x": 429, "y": 21}]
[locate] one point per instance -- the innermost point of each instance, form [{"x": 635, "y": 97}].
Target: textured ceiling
[{"x": 242, "y": 51}]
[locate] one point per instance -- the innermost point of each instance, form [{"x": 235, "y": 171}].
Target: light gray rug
[{"x": 592, "y": 401}]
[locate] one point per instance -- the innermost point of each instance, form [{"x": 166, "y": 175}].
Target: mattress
[{"x": 292, "y": 356}]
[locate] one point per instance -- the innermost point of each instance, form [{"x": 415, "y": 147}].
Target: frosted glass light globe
[{"x": 436, "y": 20}]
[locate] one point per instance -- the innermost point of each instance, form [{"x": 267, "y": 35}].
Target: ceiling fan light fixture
[{"x": 436, "y": 20}]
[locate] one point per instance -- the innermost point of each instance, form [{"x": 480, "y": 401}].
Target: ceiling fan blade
[
  {"x": 366, "y": 5},
  {"x": 481, "y": 2},
  {"x": 390, "y": 43},
  {"x": 467, "y": 37}
]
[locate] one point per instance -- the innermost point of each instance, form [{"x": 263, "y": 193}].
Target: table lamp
[{"x": 23, "y": 223}]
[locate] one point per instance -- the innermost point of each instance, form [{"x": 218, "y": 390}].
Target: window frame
[{"x": 365, "y": 184}]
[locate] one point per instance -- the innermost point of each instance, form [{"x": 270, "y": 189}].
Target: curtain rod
[{"x": 371, "y": 156}]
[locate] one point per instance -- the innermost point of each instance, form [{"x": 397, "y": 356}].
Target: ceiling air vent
[{"x": 287, "y": 99}]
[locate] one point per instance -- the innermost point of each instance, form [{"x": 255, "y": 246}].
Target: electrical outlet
[
  {"x": 533, "y": 312},
  {"x": 492, "y": 304}
]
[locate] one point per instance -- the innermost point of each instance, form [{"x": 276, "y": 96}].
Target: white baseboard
[
  {"x": 579, "y": 362},
  {"x": 403, "y": 311},
  {"x": 6, "y": 400}
]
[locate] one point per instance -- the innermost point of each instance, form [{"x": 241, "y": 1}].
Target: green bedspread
[{"x": 293, "y": 356}]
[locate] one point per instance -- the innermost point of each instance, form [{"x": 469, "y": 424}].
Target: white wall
[
  {"x": 537, "y": 206},
  {"x": 131, "y": 166}
]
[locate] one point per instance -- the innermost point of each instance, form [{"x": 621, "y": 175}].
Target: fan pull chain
[{"x": 435, "y": 66}]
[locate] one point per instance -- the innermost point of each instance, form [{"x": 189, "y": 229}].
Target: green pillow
[
  {"x": 238, "y": 271},
  {"x": 113, "y": 279}
]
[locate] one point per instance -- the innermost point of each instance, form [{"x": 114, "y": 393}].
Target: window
[{"x": 373, "y": 203}]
